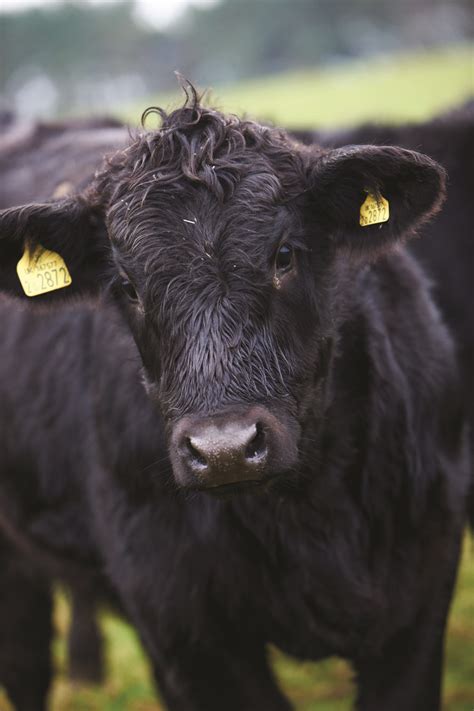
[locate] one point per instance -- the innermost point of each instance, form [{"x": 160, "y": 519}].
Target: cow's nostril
[
  {"x": 257, "y": 447},
  {"x": 195, "y": 456}
]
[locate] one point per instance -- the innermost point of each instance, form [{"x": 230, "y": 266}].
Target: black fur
[{"x": 350, "y": 545}]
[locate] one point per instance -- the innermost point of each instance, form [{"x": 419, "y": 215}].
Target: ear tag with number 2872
[
  {"x": 41, "y": 271},
  {"x": 374, "y": 210}
]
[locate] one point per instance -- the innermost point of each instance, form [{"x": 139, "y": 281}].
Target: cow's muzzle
[{"x": 233, "y": 451}]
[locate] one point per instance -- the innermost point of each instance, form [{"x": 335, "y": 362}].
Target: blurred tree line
[{"x": 81, "y": 56}]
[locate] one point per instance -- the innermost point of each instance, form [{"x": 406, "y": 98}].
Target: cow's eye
[
  {"x": 284, "y": 258},
  {"x": 128, "y": 289}
]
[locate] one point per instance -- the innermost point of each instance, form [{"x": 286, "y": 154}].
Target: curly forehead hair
[{"x": 201, "y": 145}]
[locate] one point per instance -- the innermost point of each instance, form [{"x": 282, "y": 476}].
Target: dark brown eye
[
  {"x": 128, "y": 289},
  {"x": 284, "y": 258}
]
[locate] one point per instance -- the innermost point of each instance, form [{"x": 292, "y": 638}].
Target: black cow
[
  {"x": 40, "y": 161},
  {"x": 281, "y": 352},
  {"x": 49, "y": 161}
]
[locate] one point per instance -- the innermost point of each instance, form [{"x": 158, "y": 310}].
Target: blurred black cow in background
[
  {"x": 61, "y": 175},
  {"x": 41, "y": 160}
]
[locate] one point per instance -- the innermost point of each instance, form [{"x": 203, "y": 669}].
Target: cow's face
[
  {"x": 229, "y": 318},
  {"x": 229, "y": 248}
]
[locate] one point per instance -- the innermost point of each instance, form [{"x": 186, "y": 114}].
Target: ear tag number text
[
  {"x": 41, "y": 271},
  {"x": 373, "y": 211}
]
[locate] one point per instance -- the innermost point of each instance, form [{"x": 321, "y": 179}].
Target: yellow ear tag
[
  {"x": 373, "y": 210},
  {"x": 41, "y": 271}
]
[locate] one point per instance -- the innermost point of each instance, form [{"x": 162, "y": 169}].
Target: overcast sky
[{"x": 159, "y": 13}]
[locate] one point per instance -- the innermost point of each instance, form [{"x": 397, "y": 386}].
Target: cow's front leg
[
  {"x": 407, "y": 673},
  {"x": 405, "y": 676},
  {"x": 204, "y": 677},
  {"x": 86, "y": 660},
  {"x": 25, "y": 632}
]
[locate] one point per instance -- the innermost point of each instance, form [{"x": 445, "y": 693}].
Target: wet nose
[
  {"x": 219, "y": 453},
  {"x": 234, "y": 444}
]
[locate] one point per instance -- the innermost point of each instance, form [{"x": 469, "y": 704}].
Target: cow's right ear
[{"x": 73, "y": 228}]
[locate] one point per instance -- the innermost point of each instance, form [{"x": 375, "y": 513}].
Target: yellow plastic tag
[
  {"x": 41, "y": 271},
  {"x": 373, "y": 210}
]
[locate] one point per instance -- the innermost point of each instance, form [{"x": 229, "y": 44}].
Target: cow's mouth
[
  {"x": 248, "y": 486},
  {"x": 226, "y": 490}
]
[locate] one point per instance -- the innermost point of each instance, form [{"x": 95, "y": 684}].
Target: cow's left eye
[{"x": 284, "y": 258}]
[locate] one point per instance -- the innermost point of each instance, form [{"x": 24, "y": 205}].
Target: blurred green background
[
  {"x": 410, "y": 86},
  {"x": 298, "y": 63}
]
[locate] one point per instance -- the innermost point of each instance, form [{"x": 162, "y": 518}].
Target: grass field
[
  {"x": 401, "y": 88},
  {"x": 409, "y": 87}
]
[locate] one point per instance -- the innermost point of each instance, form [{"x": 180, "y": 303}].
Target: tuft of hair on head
[
  {"x": 191, "y": 108},
  {"x": 196, "y": 143}
]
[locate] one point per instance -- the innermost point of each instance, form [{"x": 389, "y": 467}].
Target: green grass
[{"x": 409, "y": 87}]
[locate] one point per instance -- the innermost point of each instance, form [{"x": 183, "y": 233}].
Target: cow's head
[{"x": 227, "y": 246}]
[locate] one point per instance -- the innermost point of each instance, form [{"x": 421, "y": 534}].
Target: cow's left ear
[{"x": 367, "y": 198}]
